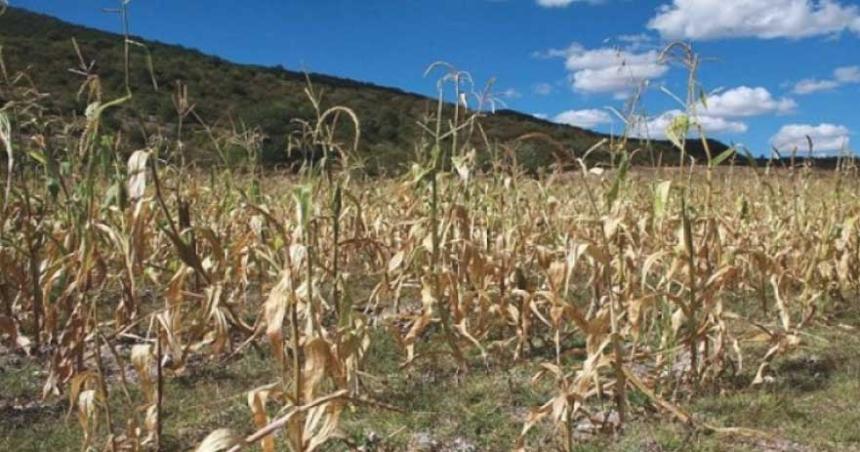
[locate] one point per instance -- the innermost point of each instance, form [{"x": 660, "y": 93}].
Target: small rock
[
  {"x": 423, "y": 442},
  {"x": 461, "y": 445}
]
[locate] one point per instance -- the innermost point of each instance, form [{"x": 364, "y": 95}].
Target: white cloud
[
  {"x": 543, "y": 89},
  {"x": 562, "y": 3},
  {"x": 587, "y": 119},
  {"x": 635, "y": 41},
  {"x": 841, "y": 76},
  {"x": 655, "y": 127},
  {"x": 719, "y": 115},
  {"x": 608, "y": 70},
  {"x": 554, "y": 3},
  {"x": 766, "y": 19},
  {"x": 713, "y": 124},
  {"x": 639, "y": 38},
  {"x": 826, "y": 138},
  {"x": 511, "y": 93},
  {"x": 543, "y": 116},
  {"x": 557, "y": 53},
  {"x": 848, "y": 74},
  {"x": 745, "y": 101},
  {"x": 810, "y": 85}
]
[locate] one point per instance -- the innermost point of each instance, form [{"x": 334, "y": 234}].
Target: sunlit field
[{"x": 152, "y": 302}]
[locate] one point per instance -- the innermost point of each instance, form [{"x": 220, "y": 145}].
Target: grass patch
[{"x": 811, "y": 405}]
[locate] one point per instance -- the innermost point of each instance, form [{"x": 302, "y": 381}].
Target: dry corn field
[{"x": 623, "y": 293}]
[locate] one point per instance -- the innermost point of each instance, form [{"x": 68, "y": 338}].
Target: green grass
[
  {"x": 814, "y": 400},
  {"x": 482, "y": 408},
  {"x": 212, "y": 396},
  {"x": 813, "y": 404}
]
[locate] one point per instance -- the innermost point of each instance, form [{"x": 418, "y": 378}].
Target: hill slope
[{"x": 269, "y": 98}]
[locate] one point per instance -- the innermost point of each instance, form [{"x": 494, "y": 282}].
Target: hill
[{"x": 226, "y": 93}]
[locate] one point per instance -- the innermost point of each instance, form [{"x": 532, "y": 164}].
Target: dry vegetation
[{"x": 130, "y": 278}]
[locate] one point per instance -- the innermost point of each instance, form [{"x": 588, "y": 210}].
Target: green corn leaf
[
  {"x": 722, "y": 157},
  {"x": 302, "y": 195},
  {"x": 612, "y": 194},
  {"x": 677, "y": 130}
]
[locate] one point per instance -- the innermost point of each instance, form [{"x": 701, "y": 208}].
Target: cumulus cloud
[
  {"x": 826, "y": 138},
  {"x": 721, "y": 113},
  {"x": 713, "y": 124},
  {"x": 588, "y": 119},
  {"x": 841, "y": 76},
  {"x": 655, "y": 127},
  {"x": 766, "y": 19},
  {"x": 609, "y": 70},
  {"x": 744, "y": 101}
]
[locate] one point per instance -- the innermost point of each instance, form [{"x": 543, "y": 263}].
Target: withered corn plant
[
  {"x": 123, "y": 266},
  {"x": 315, "y": 335}
]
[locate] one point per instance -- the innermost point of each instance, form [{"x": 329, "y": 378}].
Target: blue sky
[{"x": 777, "y": 70}]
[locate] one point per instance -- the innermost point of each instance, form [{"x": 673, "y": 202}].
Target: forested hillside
[{"x": 225, "y": 94}]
